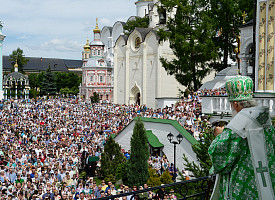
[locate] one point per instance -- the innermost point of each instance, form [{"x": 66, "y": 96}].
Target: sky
[{"x": 57, "y": 28}]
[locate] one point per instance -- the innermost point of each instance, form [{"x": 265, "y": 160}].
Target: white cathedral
[{"x": 138, "y": 75}]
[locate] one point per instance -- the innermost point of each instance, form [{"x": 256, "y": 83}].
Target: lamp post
[{"x": 170, "y": 137}]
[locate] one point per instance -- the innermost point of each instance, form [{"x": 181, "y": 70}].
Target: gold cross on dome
[{"x": 244, "y": 16}]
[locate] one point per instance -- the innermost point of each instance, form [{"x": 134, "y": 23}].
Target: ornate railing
[
  {"x": 220, "y": 104},
  {"x": 199, "y": 188}
]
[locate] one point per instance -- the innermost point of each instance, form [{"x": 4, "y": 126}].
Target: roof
[
  {"x": 16, "y": 76},
  {"x": 73, "y": 63},
  {"x": 42, "y": 64},
  {"x": 220, "y": 79},
  {"x": 174, "y": 123},
  {"x": 143, "y": 32},
  {"x": 249, "y": 23},
  {"x": 153, "y": 140},
  {"x": 109, "y": 28}
]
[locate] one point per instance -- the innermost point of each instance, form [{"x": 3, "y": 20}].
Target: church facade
[
  {"x": 96, "y": 70},
  {"x": 138, "y": 76}
]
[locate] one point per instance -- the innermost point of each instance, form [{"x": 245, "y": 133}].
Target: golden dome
[
  {"x": 96, "y": 27},
  {"x": 87, "y": 46},
  {"x": 16, "y": 65}
]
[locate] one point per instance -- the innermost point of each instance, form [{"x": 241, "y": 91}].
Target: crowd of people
[{"x": 45, "y": 142}]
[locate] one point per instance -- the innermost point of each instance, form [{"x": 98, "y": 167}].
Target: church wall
[
  {"x": 117, "y": 30},
  {"x": 151, "y": 69},
  {"x": 169, "y": 85},
  {"x": 120, "y": 72},
  {"x": 105, "y": 33}
]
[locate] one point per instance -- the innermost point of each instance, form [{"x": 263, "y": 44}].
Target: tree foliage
[
  {"x": 191, "y": 39},
  {"x": 154, "y": 179},
  {"x": 48, "y": 86},
  {"x": 138, "y": 22},
  {"x": 95, "y": 98},
  {"x": 166, "y": 178},
  {"x": 201, "y": 151},
  {"x": 139, "y": 156},
  {"x": 226, "y": 17},
  {"x": 111, "y": 157},
  {"x": 66, "y": 82},
  {"x": 18, "y": 55}
]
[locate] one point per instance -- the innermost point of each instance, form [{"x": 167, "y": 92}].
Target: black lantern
[{"x": 170, "y": 137}]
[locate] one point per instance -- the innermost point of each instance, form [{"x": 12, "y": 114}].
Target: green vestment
[{"x": 232, "y": 159}]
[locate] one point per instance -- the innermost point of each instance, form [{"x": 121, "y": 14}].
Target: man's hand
[{"x": 218, "y": 130}]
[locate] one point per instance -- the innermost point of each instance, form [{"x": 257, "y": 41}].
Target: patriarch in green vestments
[{"x": 242, "y": 153}]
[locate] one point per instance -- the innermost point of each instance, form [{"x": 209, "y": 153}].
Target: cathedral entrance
[
  {"x": 138, "y": 99},
  {"x": 135, "y": 96}
]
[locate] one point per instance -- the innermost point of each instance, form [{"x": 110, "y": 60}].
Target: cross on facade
[{"x": 261, "y": 170}]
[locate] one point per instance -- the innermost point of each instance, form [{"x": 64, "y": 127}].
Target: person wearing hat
[{"x": 242, "y": 153}]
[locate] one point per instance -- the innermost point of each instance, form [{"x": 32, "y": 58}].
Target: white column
[
  {"x": 115, "y": 76},
  {"x": 2, "y": 37},
  {"x": 144, "y": 74},
  {"x": 127, "y": 71}
]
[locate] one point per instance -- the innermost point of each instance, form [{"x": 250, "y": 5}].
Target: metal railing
[{"x": 183, "y": 190}]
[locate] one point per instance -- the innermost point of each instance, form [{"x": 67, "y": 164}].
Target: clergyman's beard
[{"x": 234, "y": 112}]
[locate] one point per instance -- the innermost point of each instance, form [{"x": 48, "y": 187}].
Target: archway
[{"x": 135, "y": 96}]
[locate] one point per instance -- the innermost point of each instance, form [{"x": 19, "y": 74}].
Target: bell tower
[{"x": 142, "y": 7}]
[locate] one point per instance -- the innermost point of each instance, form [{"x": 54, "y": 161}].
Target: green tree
[
  {"x": 120, "y": 172},
  {"x": 138, "y": 22},
  {"x": 65, "y": 91},
  {"x": 95, "y": 98},
  {"x": 191, "y": 39},
  {"x": 67, "y": 80},
  {"x": 226, "y": 16},
  {"x": 33, "y": 80},
  {"x": 18, "y": 55},
  {"x": 111, "y": 157},
  {"x": 48, "y": 86},
  {"x": 201, "y": 150},
  {"x": 137, "y": 164}
]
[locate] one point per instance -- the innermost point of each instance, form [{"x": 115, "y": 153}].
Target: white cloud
[
  {"x": 41, "y": 24},
  {"x": 60, "y": 45}
]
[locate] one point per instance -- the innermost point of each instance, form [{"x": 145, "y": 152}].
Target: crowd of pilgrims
[{"x": 45, "y": 142}]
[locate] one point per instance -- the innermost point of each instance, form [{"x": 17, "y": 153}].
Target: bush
[
  {"x": 95, "y": 98},
  {"x": 110, "y": 177},
  {"x": 33, "y": 93},
  {"x": 120, "y": 172},
  {"x": 154, "y": 179},
  {"x": 166, "y": 178}
]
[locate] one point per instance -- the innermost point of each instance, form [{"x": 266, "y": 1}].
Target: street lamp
[{"x": 170, "y": 137}]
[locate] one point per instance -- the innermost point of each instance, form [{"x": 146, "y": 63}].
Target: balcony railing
[
  {"x": 220, "y": 104},
  {"x": 200, "y": 188}
]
